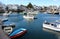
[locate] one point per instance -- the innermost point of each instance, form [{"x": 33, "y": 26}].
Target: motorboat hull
[
  {"x": 51, "y": 27},
  {"x": 17, "y": 33},
  {"x": 28, "y": 17}
]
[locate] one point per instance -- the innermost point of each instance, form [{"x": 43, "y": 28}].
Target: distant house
[
  {"x": 12, "y": 7},
  {"x": 2, "y": 7},
  {"x": 37, "y": 8},
  {"x": 22, "y": 8},
  {"x": 52, "y": 9},
  {"x": 43, "y": 9},
  {"x": 59, "y": 9}
]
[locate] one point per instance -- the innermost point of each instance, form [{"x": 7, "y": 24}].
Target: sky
[{"x": 34, "y": 2}]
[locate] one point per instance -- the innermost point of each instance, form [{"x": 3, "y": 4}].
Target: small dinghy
[{"x": 18, "y": 33}]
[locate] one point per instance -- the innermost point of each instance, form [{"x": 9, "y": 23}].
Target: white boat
[
  {"x": 28, "y": 16},
  {"x": 50, "y": 31},
  {"x": 3, "y": 34},
  {"x": 8, "y": 28},
  {"x": 52, "y": 12},
  {"x": 7, "y": 14},
  {"x": 53, "y": 26}
]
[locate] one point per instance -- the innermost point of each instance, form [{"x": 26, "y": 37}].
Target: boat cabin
[{"x": 47, "y": 23}]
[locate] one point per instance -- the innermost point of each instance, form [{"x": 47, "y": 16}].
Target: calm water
[{"x": 34, "y": 27}]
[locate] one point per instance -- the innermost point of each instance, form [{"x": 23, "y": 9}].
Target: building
[
  {"x": 52, "y": 9},
  {"x": 37, "y": 8},
  {"x": 12, "y": 7},
  {"x": 59, "y": 9},
  {"x": 22, "y": 8},
  {"x": 2, "y": 7}
]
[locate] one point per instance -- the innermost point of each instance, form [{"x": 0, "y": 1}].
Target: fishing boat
[
  {"x": 28, "y": 16},
  {"x": 9, "y": 30},
  {"x": 52, "y": 25}
]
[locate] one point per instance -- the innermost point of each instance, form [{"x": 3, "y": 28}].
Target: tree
[
  {"x": 29, "y": 5},
  {"x": 6, "y": 8}
]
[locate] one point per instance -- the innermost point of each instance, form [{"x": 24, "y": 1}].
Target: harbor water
[{"x": 34, "y": 27}]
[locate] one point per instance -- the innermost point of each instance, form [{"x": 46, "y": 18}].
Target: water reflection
[{"x": 57, "y": 34}]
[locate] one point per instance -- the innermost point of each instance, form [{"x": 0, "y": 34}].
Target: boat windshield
[
  {"x": 54, "y": 25},
  {"x": 46, "y": 23}
]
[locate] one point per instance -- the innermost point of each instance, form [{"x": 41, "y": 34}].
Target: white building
[
  {"x": 12, "y": 7},
  {"x": 37, "y": 7},
  {"x": 22, "y": 7},
  {"x": 52, "y": 9},
  {"x": 2, "y": 7}
]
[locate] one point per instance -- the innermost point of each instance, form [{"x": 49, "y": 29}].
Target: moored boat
[
  {"x": 7, "y": 14},
  {"x": 53, "y": 26},
  {"x": 28, "y": 17},
  {"x": 8, "y": 28},
  {"x": 18, "y": 33}
]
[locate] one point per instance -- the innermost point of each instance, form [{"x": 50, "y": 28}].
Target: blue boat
[{"x": 17, "y": 33}]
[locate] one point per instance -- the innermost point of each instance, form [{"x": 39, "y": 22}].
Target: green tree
[{"x": 29, "y": 5}]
